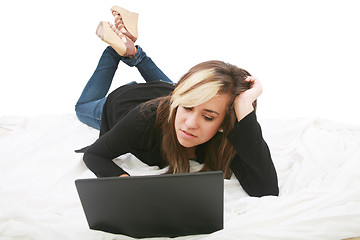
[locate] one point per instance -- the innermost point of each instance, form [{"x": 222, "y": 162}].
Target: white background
[{"x": 306, "y": 53}]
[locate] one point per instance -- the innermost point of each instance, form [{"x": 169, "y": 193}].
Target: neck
[{"x": 191, "y": 152}]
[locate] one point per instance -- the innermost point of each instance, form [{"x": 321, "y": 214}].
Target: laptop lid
[{"x": 154, "y": 206}]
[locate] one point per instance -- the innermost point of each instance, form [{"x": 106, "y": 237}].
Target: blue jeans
[{"x": 90, "y": 104}]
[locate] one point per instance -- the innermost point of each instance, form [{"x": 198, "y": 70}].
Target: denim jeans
[{"x": 90, "y": 104}]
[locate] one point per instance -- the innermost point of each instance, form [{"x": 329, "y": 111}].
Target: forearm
[
  {"x": 252, "y": 164},
  {"x": 243, "y": 109},
  {"x": 257, "y": 181},
  {"x": 99, "y": 159},
  {"x": 102, "y": 167}
]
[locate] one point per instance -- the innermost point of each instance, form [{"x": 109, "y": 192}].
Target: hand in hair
[{"x": 243, "y": 103}]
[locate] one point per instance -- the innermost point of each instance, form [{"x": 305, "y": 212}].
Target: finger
[
  {"x": 124, "y": 175},
  {"x": 250, "y": 79}
]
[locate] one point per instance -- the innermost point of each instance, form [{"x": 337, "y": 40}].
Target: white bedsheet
[{"x": 318, "y": 164}]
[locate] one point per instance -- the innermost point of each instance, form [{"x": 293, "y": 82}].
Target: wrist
[{"x": 242, "y": 110}]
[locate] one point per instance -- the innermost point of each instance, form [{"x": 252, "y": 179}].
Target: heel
[
  {"x": 119, "y": 42},
  {"x": 130, "y": 20}
]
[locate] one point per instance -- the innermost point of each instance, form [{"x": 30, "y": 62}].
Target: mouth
[{"x": 187, "y": 133}]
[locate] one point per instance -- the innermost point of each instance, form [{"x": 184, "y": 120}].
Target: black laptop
[{"x": 168, "y": 205}]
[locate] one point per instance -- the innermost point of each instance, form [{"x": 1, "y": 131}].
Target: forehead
[{"x": 218, "y": 103}]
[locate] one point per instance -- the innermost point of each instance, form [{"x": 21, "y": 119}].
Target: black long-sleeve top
[{"x": 133, "y": 131}]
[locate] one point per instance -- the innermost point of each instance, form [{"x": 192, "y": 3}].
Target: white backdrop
[{"x": 306, "y": 53}]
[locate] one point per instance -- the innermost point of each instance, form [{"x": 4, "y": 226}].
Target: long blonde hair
[{"x": 201, "y": 83}]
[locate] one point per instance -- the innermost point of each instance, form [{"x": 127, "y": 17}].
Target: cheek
[
  {"x": 210, "y": 130},
  {"x": 178, "y": 117},
  {"x": 213, "y": 127}
]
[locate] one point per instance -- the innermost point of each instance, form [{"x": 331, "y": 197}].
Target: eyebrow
[{"x": 211, "y": 111}]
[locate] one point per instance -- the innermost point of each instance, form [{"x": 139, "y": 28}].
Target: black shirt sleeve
[
  {"x": 252, "y": 164},
  {"x": 131, "y": 133}
]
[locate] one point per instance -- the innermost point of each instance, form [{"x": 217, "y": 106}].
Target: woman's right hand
[{"x": 124, "y": 175}]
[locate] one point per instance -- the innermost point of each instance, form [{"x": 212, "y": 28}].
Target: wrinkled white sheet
[{"x": 318, "y": 164}]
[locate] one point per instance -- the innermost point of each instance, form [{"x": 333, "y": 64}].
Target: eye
[
  {"x": 207, "y": 118},
  {"x": 187, "y": 108}
]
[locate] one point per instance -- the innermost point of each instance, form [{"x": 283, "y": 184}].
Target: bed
[{"x": 317, "y": 160}]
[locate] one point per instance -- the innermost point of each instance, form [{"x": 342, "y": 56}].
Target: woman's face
[{"x": 197, "y": 125}]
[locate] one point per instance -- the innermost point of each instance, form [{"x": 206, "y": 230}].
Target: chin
[{"x": 186, "y": 144}]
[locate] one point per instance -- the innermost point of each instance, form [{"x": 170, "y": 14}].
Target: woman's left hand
[{"x": 243, "y": 103}]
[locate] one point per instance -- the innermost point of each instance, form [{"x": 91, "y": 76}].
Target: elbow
[
  {"x": 92, "y": 163},
  {"x": 89, "y": 162},
  {"x": 265, "y": 188},
  {"x": 86, "y": 159},
  {"x": 261, "y": 185},
  {"x": 263, "y": 191},
  {"x": 266, "y": 183},
  {"x": 275, "y": 191},
  {"x": 269, "y": 191}
]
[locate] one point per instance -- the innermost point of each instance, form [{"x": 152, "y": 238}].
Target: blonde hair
[{"x": 190, "y": 93}]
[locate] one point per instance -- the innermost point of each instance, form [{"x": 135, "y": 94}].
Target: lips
[{"x": 187, "y": 133}]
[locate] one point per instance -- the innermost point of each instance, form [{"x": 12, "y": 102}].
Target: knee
[
  {"x": 77, "y": 111},
  {"x": 80, "y": 117},
  {"x": 80, "y": 114}
]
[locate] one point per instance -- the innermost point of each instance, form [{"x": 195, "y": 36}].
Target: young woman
[{"x": 208, "y": 116}]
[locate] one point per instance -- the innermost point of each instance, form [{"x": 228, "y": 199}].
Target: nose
[{"x": 191, "y": 121}]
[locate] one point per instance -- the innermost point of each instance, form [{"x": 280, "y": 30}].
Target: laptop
[{"x": 168, "y": 205}]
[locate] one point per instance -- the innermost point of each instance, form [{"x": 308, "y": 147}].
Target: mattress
[{"x": 317, "y": 160}]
